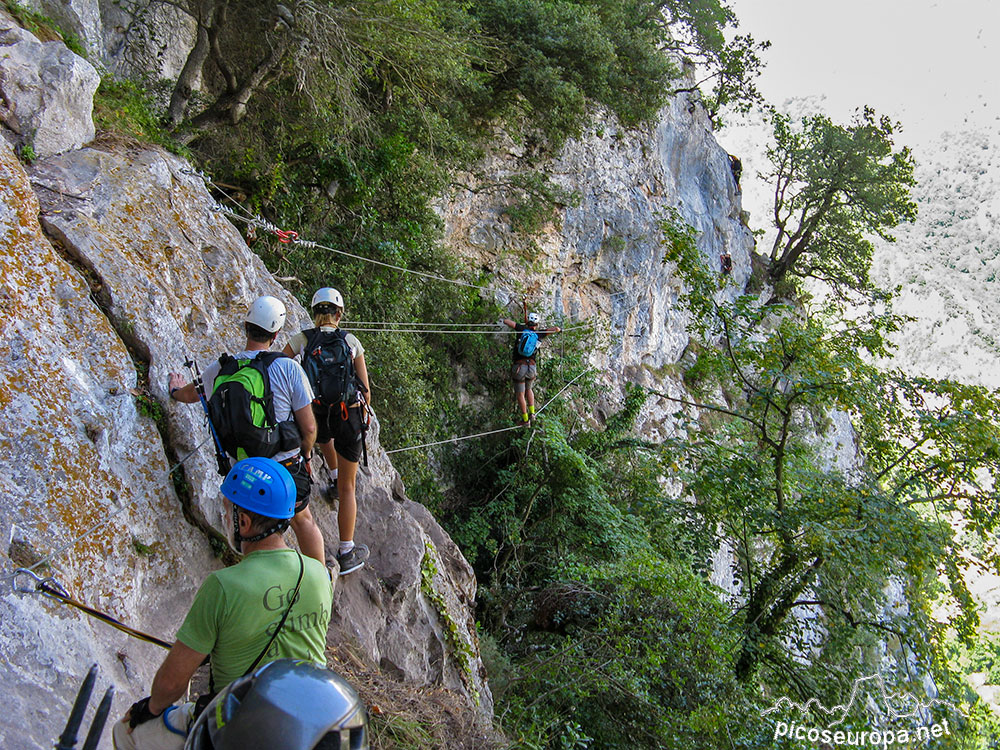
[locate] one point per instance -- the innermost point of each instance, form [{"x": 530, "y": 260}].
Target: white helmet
[
  {"x": 267, "y": 312},
  {"x": 329, "y": 295},
  {"x": 534, "y": 318}
]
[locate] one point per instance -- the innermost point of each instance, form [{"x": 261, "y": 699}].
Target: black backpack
[
  {"x": 328, "y": 363},
  {"x": 242, "y": 409}
]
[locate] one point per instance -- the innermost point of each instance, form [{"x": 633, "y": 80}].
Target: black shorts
[
  {"x": 303, "y": 482},
  {"x": 345, "y": 434}
]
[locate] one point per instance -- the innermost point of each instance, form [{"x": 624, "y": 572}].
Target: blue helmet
[{"x": 261, "y": 485}]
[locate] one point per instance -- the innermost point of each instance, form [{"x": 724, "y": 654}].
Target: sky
[{"x": 934, "y": 65}]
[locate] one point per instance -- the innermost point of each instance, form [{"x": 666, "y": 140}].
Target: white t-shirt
[
  {"x": 298, "y": 342},
  {"x": 289, "y": 387}
]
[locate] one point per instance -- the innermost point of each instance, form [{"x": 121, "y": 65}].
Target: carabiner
[{"x": 40, "y": 584}]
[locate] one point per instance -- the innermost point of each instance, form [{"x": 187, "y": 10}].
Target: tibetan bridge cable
[
  {"x": 483, "y": 434},
  {"x": 290, "y": 237},
  {"x": 352, "y": 329}
]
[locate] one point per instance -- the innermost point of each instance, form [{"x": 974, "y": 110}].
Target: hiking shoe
[
  {"x": 330, "y": 492},
  {"x": 328, "y": 484},
  {"x": 353, "y": 560}
]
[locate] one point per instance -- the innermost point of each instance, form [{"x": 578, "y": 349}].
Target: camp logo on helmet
[{"x": 256, "y": 471}]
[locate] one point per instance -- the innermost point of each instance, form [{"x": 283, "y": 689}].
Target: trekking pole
[
  {"x": 221, "y": 458},
  {"x": 100, "y": 719},
  {"x": 67, "y": 740}
]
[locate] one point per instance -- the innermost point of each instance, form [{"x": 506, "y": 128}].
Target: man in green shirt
[{"x": 274, "y": 604}]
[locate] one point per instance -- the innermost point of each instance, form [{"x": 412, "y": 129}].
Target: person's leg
[
  {"x": 348, "y": 444},
  {"x": 529, "y": 393},
  {"x": 330, "y": 456},
  {"x": 517, "y": 376},
  {"x": 307, "y": 533},
  {"x": 309, "y": 536},
  {"x": 347, "y": 513}
]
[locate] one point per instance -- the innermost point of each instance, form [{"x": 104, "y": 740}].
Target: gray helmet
[{"x": 289, "y": 703}]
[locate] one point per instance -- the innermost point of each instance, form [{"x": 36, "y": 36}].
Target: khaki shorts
[
  {"x": 523, "y": 374},
  {"x": 154, "y": 734}
]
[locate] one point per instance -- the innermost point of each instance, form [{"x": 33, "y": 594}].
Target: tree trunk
[{"x": 193, "y": 66}]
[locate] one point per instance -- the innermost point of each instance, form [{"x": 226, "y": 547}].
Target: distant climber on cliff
[
  {"x": 260, "y": 404},
  {"x": 523, "y": 372},
  {"x": 725, "y": 264},
  {"x": 736, "y": 167},
  {"x": 334, "y": 362},
  {"x": 275, "y": 603}
]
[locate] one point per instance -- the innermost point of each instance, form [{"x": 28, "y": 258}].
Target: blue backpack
[{"x": 527, "y": 342}]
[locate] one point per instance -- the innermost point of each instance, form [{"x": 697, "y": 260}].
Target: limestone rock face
[
  {"x": 47, "y": 91},
  {"x": 600, "y": 260},
  {"x": 79, "y": 460},
  {"x": 128, "y": 38},
  {"x": 163, "y": 278}
]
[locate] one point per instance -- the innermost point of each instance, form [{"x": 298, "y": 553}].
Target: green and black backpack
[{"x": 242, "y": 409}]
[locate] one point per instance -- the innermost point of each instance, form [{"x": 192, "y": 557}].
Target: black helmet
[{"x": 289, "y": 704}]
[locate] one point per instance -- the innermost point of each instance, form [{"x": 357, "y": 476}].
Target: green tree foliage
[
  {"x": 606, "y": 636},
  {"x": 544, "y": 59},
  {"x": 561, "y": 54},
  {"x": 834, "y": 187},
  {"x": 814, "y": 539},
  {"x": 348, "y": 61}
]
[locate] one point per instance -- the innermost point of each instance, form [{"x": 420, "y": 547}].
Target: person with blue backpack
[
  {"x": 524, "y": 370},
  {"x": 334, "y": 363}
]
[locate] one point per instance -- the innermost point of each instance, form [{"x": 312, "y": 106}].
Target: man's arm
[
  {"x": 306, "y": 421},
  {"x": 173, "y": 676},
  {"x": 509, "y": 323},
  {"x": 180, "y": 390},
  {"x": 362, "y": 370},
  {"x": 170, "y": 682}
]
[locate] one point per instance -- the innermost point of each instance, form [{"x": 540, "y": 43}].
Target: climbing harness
[
  {"x": 221, "y": 459},
  {"x": 67, "y": 740},
  {"x": 51, "y": 589}
]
